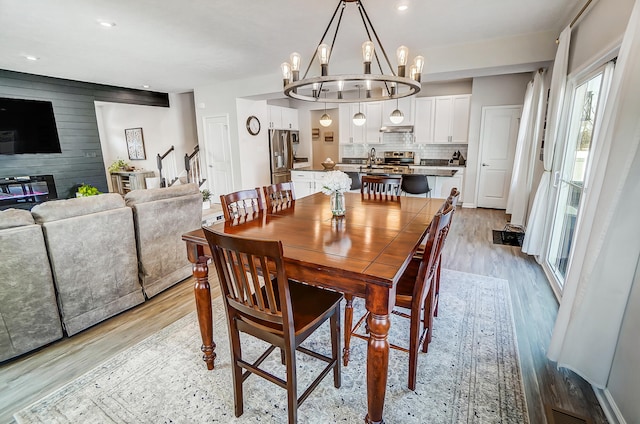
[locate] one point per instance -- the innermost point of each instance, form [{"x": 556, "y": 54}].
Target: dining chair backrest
[
  {"x": 434, "y": 243},
  {"x": 279, "y": 196},
  {"x": 249, "y": 271},
  {"x": 241, "y": 204},
  {"x": 415, "y": 184},
  {"x": 379, "y": 186}
]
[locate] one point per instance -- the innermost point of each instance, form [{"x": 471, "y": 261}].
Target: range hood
[{"x": 397, "y": 129}]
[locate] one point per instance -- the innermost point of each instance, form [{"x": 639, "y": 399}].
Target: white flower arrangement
[{"x": 336, "y": 181}]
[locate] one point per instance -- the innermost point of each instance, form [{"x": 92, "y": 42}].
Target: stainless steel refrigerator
[{"x": 281, "y": 149}]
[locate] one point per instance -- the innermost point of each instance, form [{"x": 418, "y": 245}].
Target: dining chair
[
  {"x": 279, "y": 311},
  {"x": 279, "y": 196},
  {"x": 415, "y": 184},
  {"x": 380, "y": 185},
  {"x": 241, "y": 204},
  {"x": 415, "y": 292}
]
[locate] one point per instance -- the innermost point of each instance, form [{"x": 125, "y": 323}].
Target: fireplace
[{"x": 26, "y": 192}]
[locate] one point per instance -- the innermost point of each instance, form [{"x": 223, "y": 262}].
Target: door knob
[{"x": 485, "y": 164}]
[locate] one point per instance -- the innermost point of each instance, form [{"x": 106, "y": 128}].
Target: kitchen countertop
[{"x": 423, "y": 170}]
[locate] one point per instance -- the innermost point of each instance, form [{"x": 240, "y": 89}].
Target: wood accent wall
[{"x": 74, "y": 109}]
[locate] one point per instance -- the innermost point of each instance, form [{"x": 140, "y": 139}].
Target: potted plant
[
  {"x": 118, "y": 165},
  {"x": 87, "y": 190},
  {"x": 206, "y": 198}
]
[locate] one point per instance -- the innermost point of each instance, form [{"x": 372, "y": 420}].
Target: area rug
[{"x": 471, "y": 374}]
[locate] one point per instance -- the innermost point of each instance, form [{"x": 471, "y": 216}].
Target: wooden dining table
[{"x": 363, "y": 253}]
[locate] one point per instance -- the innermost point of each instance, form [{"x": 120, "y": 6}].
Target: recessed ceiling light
[
  {"x": 29, "y": 57},
  {"x": 146, "y": 86},
  {"x": 107, "y": 24},
  {"x": 402, "y": 7}
]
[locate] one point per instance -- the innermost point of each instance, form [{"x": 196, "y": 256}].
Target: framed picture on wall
[
  {"x": 328, "y": 137},
  {"x": 135, "y": 143}
]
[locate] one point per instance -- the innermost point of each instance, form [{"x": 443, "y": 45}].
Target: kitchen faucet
[{"x": 372, "y": 157}]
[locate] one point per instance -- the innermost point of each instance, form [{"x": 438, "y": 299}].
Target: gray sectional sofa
[{"x": 69, "y": 264}]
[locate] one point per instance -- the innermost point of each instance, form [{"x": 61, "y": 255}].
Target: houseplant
[
  {"x": 87, "y": 190},
  {"x": 334, "y": 185},
  {"x": 206, "y": 198},
  {"x": 118, "y": 165}
]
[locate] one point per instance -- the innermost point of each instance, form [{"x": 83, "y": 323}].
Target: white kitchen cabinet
[
  {"x": 290, "y": 119},
  {"x": 443, "y": 185},
  {"x": 451, "y": 119},
  {"x": 283, "y": 118},
  {"x": 406, "y": 106},
  {"x": 374, "y": 122},
  {"x": 423, "y": 127},
  {"x": 307, "y": 183}
]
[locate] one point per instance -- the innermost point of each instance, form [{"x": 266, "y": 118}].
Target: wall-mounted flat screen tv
[{"x": 27, "y": 126}]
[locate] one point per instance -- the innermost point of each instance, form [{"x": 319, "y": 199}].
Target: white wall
[
  {"x": 161, "y": 128},
  {"x": 488, "y": 91},
  {"x": 253, "y": 149}
]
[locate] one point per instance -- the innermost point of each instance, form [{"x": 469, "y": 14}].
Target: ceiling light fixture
[
  {"x": 107, "y": 24},
  {"x": 402, "y": 7},
  {"x": 29, "y": 57},
  {"x": 145, "y": 86},
  {"x": 379, "y": 86},
  {"x": 325, "y": 119},
  {"x": 396, "y": 116},
  {"x": 359, "y": 118}
]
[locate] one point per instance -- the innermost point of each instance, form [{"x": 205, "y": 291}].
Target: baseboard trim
[
  {"x": 609, "y": 406},
  {"x": 469, "y": 205}
]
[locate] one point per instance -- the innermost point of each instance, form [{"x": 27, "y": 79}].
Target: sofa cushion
[
  {"x": 11, "y": 218},
  {"x": 28, "y": 310},
  {"x": 62, "y": 209},
  {"x": 153, "y": 194}
]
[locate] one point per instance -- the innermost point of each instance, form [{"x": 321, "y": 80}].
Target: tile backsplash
[{"x": 404, "y": 142}]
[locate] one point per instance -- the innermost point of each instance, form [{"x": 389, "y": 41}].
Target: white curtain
[
  {"x": 534, "y": 236},
  {"x": 526, "y": 149},
  {"x": 606, "y": 253}
]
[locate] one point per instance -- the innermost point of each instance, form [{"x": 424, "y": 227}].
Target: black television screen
[{"x": 27, "y": 126}]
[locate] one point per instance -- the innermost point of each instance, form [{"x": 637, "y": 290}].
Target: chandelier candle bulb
[
  {"x": 295, "y": 66},
  {"x": 402, "y": 54},
  {"x": 367, "y": 55},
  {"x": 286, "y": 73}
]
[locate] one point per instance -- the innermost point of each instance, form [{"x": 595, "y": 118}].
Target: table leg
[
  {"x": 202, "y": 291},
  {"x": 377, "y": 355}
]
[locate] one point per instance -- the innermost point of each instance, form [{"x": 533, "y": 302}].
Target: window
[{"x": 584, "y": 117}]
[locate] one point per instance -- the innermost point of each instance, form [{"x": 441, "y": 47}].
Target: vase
[{"x": 338, "y": 207}]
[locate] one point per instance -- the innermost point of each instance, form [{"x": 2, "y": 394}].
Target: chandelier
[{"x": 345, "y": 88}]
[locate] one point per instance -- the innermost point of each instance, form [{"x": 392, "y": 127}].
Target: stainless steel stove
[{"x": 399, "y": 158}]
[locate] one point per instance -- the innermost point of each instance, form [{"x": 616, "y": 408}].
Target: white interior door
[
  {"x": 218, "y": 155},
  {"x": 498, "y": 138}
]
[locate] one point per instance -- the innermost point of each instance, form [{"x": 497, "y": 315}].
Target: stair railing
[
  {"x": 167, "y": 162},
  {"x": 193, "y": 168}
]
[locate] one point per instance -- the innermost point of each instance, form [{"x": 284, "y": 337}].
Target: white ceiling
[{"x": 175, "y": 46}]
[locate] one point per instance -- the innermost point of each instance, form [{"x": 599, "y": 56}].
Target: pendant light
[
  {"x": 359, "y": 119},
  {"x": 325, "y": 119},
  {"x": 396, "y": 116}
]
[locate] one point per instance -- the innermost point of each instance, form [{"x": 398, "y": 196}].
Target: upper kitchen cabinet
[
  {"x": 283, "y": 118},
  {"x": 423, "y": 127},
  {"x": 367, "y": 133},
  {"x": 451, "y": 119},
  {"x": 406, "y": 106}
]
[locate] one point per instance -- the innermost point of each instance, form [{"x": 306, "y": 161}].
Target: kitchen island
[{"x": 308, "y": 180}]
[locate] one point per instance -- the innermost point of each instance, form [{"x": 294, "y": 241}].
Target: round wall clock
[{"x": 253, "y": 125}]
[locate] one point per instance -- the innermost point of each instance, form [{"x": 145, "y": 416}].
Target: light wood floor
[{"x": 469, "y": 249}]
